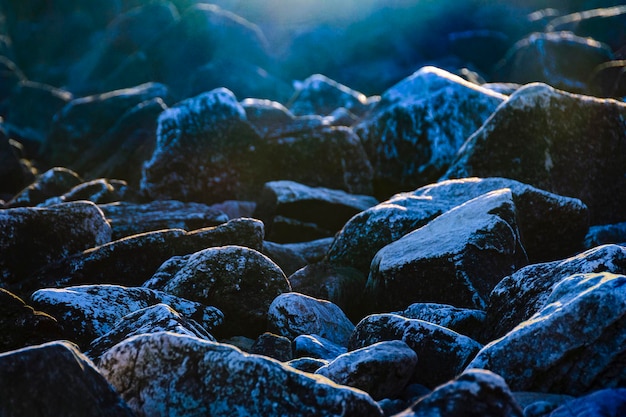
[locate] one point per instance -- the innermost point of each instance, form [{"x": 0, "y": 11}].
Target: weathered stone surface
[
  {"x": 52, "y": 183},
  {"x": 314, "y": 346},
  {"x": 455, "y": 259},
  {"x": 414, "y": 132},
  {"x": 55, "y": 379},
  {"x": 293, "y": 256},
  {"x": 462, "y": 320},
  {"x": 475, "y": 392},
  {"x": 582, "y": 334},
  {"x": 539, "y": 135},
  {"x": 382, "y": 369},
  {"x": 273, "y": 346},
  {"x": 442, "y": 354},
  {"x": 517, "y": 297},
  {"x": 31, "y": 238},
  {"x": 272, "y": 119},
  {"x": 605, "y": 234},
  {"x": 163, "y": 374},
  {"x": 240, "y": 281},
  {"x": 309, "y": 365},
  {"x": 606, "y": 402},
  {"x": 130, "y": 219},
  {"x": 99, "y": 191},
  {"x": 319, "y": 95},
  {"x": 87, "y": 312},
  {"x": 539, "y": 404},
  {"x": 293, "y": 314}
]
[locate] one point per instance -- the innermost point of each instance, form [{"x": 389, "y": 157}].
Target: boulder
[
  {"x": 163, "y": 374},
  {"x": 11, "y": 76},
  {"x": 319, "y": 95},
  {"x": 14, "y": 173},
  {"x": 605, "y": 402},
  {"x": 99, "y": 191},
  {"x": 540, "y": 133},
  {"x": 608, "y": 80},
  {"x": 293, "y": 314},
  {"x": 462, "y": 320},
  {"x": 240, "y": 281},
  {"x": 382, "y": 369},
  {"x": 309, "y": 365},
  {"x": 273, "y": 346},
  {"x": 414, "y": 132},
  {"x": 317, "y": 347},
  {"x": 605, "y": 234},
  {"x": 272, "y": 119},
  {"x": 55, "y": 379},
  {"x": 52, "y": 183},
  {"x": 293, "y": 256}
]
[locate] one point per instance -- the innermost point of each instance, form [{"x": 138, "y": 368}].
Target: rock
[
  {"x": 161, "y": 374},
  {"x": 31, "y": 238},
  {"x": 235, "y": 209},
  {"x": 327, "y": 209},
  {"x": 88, "y": 312},
  {"x": 14, "y": 173},
  {"x": 55, "y": 379},
  {"x": 309, "y": 365},
  {"x": 414, "y": 132},
  {"x": 607, "y": 80},
  {"x": 462, "y": 320},
  {"x": 482, "y": 47},
  {"x": 581, "y": 317},
  {"x": 293, "y": 314},
  {"x": 319, "y": 95},
  {"x": 240, "y": 281},
  {"x": 52, "y": 183},
  {"x": 133, "y": 260},
  {"x": 21, "y": 325},
  {"x": 539, "y": 134},
  {"x": 128, "y": 219},
  {"x": 455, "y": 259},
  {"x": 442, "y": 353},
  {"x": 604, "y": 234},
  {"x": 502, "y": 88},
  {"x": 99, "y": 191},
  {"x": 517, "y": 297},
  {"x": 11, "y": 76},
  {"x": 272, "y": 120},
  {"x": 273, "y": 346},
  {"x": 382, "y": 369},
  {"x": 539, "y": 404},
  {"x": 475, "y": 392},
  {"x": 293, "y": 256},
  {"x": 606, "y": 402},
  {"x": 153, "y": 319},
  {"x": 314, "y": 346}
]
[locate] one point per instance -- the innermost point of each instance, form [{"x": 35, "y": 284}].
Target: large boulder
[
  {"x": 317, "y": 347},
  {"x": 319, "y": 95},
  {"x": 540, "y": 134},
  {"x": 293, "y": 256},
  {"x": 605, "y": 402},
  {"x": 462, "y": 320},
  {"x": 162, "y": 374}
]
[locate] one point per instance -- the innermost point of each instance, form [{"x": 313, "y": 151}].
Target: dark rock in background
[
  {"x": 604, "y": 234},
  {"x": 293, "y": 256},
  {"x": 606, "y": 402},
  {"x": 52, "y": 183},
  {"x": 319, "y": 95},
  {"x": 15, "y": 173},
  {"x": 462, "y": 320},
  {"x": 273, "y": 346}
]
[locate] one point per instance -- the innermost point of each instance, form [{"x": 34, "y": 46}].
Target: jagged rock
[
  {"x": 475, "y": 392},
  {"x": 271, "y": 119},
  {"x": 14, "y": 174},
  {"x": 293, "y": 256},
  {"x": 606, "y": 403},
  {"x": 462, "y": 320},
  {"x": 414, "y": 132},
  {"x": 581, "y": 317},
  {"x": 87, "y": 312},
  {"x": 133, "y": 260},
  {"x": 517, "y": 297},
  {"x": 99, "y": 191},
  {"x": 240, "y": 281},
  {"x": 52, "y": 183},
  {"x": 31, "y": 238},
  {"x": 154, "y": 319},
  {"x": 328, "y": 210},
  {"x": 185, "y": 375},
  {"x": 319, "y": 95},
  {"x": 605, "y": 234},
  {"x": 128, "y": 219},
  {"x": 455, "y": 259},
  {"x": 540, "y": 133},
  {"x": 317, "y": 347},
  {"x": 382, "y": 369},
  {"x": 273, "y": 346},
  {"x": 442, "y": 354},
  {"x": 309, "y": 365},
  {"x": 21, "y": 325},
  {"x": 293, "y": 314}
]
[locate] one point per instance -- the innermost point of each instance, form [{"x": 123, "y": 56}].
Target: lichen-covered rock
[
  {"x": 240, "y": 281},
  {"x": 293, "y": 256},
  {"x": 55, "y": 379},
  {"x": 293, "y": 314},
  {"x": 87, "y": 312},
  {"x": 455, "y": 259},
  {"x": 462, "y": 320},
  {"x": 382, "y": 369},
  {"x": 52, "y": 183},
  {"x": 573, "y": 345},
  {"x": 518, "y": 296},
  {"x": 540, "y": 133},
  {"x": 163, "y": 374},
  {"x": 31, "y": 238},
  {"x": 273, "y": 346},
  {"x": 317, "y": 347},
  {"x": 605, "y": 402},
  {"x": 414, "y": 132},
  {"x": 475, "y": 392},
  {"x": 320, "y": 95}
]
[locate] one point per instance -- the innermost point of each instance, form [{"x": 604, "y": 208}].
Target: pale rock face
[{"x": 319, "y": 95}]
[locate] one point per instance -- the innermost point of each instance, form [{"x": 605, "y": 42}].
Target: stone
[
  {"x": 31, "y": 238},
  {"x": 456, "y": 259},
  {"x": 14, "y": 173},
  {"x": 293, "y": 256},
  {"x": 273, "y": 346},
  {"x": 540, "y": 133},
  {"x": 87, "y": 312},
  {"x": 293, "y": 314},
  {"x": 605, "y": 402},
  {"x": 55, "y": 379},
  {"x": 12, "y": 75},
  {"x": 272, "y": 120},
  {"x": 608, "y": 80},
  {"x": 582, "y": 338},
  {"x": 162, "y": 374},
  {"x": 442, "y": 353},
  {"x": 99, "y": 191},
  {"x": 317, "y": 347},
  {"x": 465, "y": 321},
  {"x": 605, "y": 234},
  {"x": 240, "y": 281},
  {"x": 414, "y": 132},
  {"x": 319, "y": 95},
  {"x": 52, "y": 183},
  {"x": 309, "y": 365},
  {"x": 539, "y": 404},
  {"x": 382, "y": 369},
  {"x": 128, "y": 219}
]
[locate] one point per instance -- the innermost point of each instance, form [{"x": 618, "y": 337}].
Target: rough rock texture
[
  {"x": 55, "y": 379},
  {"x": 272, "y": 120},
  {"x": 305, "y": 364},
  {"x": 604, "y": 234},
  {"x": 517, "y": 297},
  {"x": 293, "y": 256},
  {"x": 456, "y": 259},
  {"x": 319, "y": 95},
  {"x": 52, "y": 183},
  {"x": 606, "y": 402},
  {"x": 240, "y": 281},
  {"x": 99, "y": 191},
  {"x": 539, "y": 134},
  {"x": 414, "y": 132},
  {"x": 90, "y": 311},
  {"x": 273, "y": 346},
  {"x": 30, "y": 238},
  {"x": 442, "y": 354},
  {"x": 165, "y": 374},
  {"x": 462, "y": 320},
  {"x": 293, "y": 314},
  {"x": 382, "y": 369},
  {"x": 314, "y": 346},
  {"x": 582, "y": 334}
]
